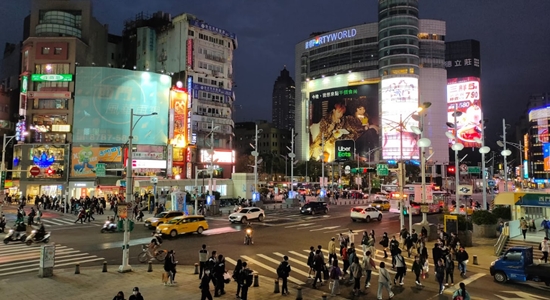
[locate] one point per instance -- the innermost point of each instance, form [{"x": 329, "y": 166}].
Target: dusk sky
[{"x": 514, "y": 40}]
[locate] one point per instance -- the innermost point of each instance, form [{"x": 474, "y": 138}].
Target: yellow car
[
  {"x": 183, "y": 225},
  {"x": 161, "y": 218},
  {"x": 381, "y": 204}
]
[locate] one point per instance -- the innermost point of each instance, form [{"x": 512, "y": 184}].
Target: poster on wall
[
  {"x": 178, "y": 107},
  {"x": 84, "y": 159},
  {"x": 463, "y": 95},
  {"x": 399, "y": 102},
  {"x": 104, "y": 98},
  {"x": 546, "y": 156},
  {"x": 345, "y": 113}
]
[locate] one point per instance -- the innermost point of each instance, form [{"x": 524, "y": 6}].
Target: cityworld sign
[
  {"x": 331, "y": 37},
  {"x": 344, "y": 150}
]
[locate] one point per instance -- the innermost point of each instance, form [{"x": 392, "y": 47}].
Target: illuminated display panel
[{"x": 464, "y": 93}]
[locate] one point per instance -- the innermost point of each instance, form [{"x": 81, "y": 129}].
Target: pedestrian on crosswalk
[
  {"x": 351, "y": 258},
  {"x": 462, "y": 259},
  {"x": 401, "y": 267},
  {"x": 409, "y": 244},
  {"x": 203, "y": 258},
  {"x": 384, "y": 281},
  {"x": 38, "y": 215},
  {"x": 364, "y": 241},
  {"x": 81, "y": 216},
  {"x": 351, "y": 237},
  {"x": 331, "y": 251},
  {"x": 449, "y": 269},
  {"x": 119, "y": 296},
  {"x": 343, "y": 243},
  {"x": 368, "y": 265},
  {"x": 283, "y": 271},
  {"x": 440, "y": 274},
  {"x": 417, "y": 269},
  {"x": 394, "y": 246},
  {"x": 32, "y": 214},
  {"x": 335, "y": 275},
  {"x": 385, "y": 243},
  {"x": 357, "y": 271},
  {"x": 319, "y": 266},
  {"x": 310, "y": 261},
  {"x": 136, "y": 294}
]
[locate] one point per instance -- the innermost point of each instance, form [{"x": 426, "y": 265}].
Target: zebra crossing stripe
[
  {"x": 56, "y": 265},
  {"x": 300, "y": 262},
  {"x": 259, "y": 264},
  {"x": 278, "y": 262}
]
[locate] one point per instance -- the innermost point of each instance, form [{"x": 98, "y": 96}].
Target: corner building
[{"x": 359, "y": 82}]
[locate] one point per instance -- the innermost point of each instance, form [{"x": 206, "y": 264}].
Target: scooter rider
[
  {"x": 248, "y": 232},
  {"x": 40, "y": 233},
  {"x": 2, "y": 223},
  {"x": 155, "y": 244}
]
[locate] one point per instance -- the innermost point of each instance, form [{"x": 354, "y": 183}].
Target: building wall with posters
[{"x": 537, "y": 145}]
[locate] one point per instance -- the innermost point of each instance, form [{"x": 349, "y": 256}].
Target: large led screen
[
  {"x": 546, "y": 156},
  {"x": 345, "y": 113},
  {"x": 399, "y": 104},
  {"x": 104, "y": 97},
  {"x": 463, "y": 93}
]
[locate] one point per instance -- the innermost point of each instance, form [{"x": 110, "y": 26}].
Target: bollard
[
  {"x": 77, "y": 269},
  {"x": 475, "y": 260},
  {"x": 324, "y": 296},
  {"x": 276, "y": 289},
  {"x": 150, "y": 268},
  {"x": 196, "y": 268},
  {"x": 256, "y": 279},
  {"x": 299, "y": 293},
  {"x": 104, "y": 267}
]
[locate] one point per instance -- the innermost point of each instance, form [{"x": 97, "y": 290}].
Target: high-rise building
[{"x": 283, "y": 108}]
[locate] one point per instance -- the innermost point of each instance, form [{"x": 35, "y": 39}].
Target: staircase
[{"x": 521, "y": 243}]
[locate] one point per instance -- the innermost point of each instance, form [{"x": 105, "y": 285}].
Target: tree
[{"x": 244, "y": 164}]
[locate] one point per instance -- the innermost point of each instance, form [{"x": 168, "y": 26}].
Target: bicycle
[{"x": 144, "y": 256}]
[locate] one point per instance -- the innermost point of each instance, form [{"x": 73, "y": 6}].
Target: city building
[
  {"x": 271, "y": 140},
  {"x": 365, "y": 82},
  {"x": 59, "y": 35},
  {"x": 282, "y": 104}
]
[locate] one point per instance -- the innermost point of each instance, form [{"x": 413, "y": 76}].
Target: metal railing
[{"x": 502, "y": 240}]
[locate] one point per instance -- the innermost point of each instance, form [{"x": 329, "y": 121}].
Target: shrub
[
  {"x": 484, "y": 217},
  {"x": 502, "y": 212}
]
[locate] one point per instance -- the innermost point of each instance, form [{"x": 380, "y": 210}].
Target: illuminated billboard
[
  {"x": 178, "y": 117},
  {"x": 220, "y": 157},
  {"x": 464, "y": 94},
  {"x": 546, "y": 155},
  {"x": 85, "y": 158},
  {"x": 399, "y": 103},
  {"x": 104, "y": 97},
  {"x": 345, "y": 113}
]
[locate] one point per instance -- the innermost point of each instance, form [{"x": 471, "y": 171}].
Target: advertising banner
[
  {"x": 464, "y": 94},
  {"x": 104, "y": 97},
  {"x": 399, "y": 103},
  {"x": 546, "y": 155},
  {"x": 178, "y": 107},
  {"x": 84, "y": 160},
  {"x": 345, "y": 113},
  {"x": 345, "y": 150}
]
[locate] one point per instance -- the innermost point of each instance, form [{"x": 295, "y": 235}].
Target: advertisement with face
[
  {"x": 464, "y": 94},
  {"x": 104, "y": 98},
  {"x": 399, "y": 103},
  {"x": 345, "y": 113},
  {"x": 85, "y": 158}
]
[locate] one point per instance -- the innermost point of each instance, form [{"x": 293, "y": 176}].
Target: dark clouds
[{"x": 513, "y": 36}]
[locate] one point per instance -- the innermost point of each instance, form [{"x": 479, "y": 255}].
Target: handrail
[{"x": 501, "y": 242}]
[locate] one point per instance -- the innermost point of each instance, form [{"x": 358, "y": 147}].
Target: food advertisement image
[
  {"x": 464, "y": 94},
  {"x": 345, "y": 113}
]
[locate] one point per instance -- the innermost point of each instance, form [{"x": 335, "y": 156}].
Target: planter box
[
  {"x": 485, "y": 231},
  {"x": 465, "y": 238}
]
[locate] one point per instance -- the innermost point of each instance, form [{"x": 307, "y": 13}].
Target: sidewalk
[{"x": 92, "y": 284}]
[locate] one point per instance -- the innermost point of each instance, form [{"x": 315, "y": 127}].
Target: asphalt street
[{"x": 284, "y": 232}]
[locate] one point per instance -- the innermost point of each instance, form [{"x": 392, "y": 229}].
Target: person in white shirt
[
  {"x": 384, "y": 281},
  {"x": 351, "y": 236},
  {"x": 544, "y": 249}
]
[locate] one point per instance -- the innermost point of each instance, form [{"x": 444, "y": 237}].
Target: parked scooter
[
  {"x": 33, "y": 238},
  {"x": 109, "y": 226}
]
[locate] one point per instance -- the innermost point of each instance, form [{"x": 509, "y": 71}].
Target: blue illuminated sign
[
  {"x": 210, "y": 89},
  {"x": 331, "y": 37},
  {"x": 525, "y": 169},
  {"x": 205, "y": 26},
  {"x": 104, "y": 97}
]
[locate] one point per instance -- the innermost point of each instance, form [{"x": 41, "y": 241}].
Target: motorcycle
[
  {"x": 32, "y": 238},
  {"x": 15, "y": 236},
  {"x": 248, "y": 237},
  {"x": 144, "y": 256},
  {"x": 109, "y": 227}
]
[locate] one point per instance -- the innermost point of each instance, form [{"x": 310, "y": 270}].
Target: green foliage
[
  {"x": 502, "y": 212},
  {"x": 464, "y": 223},
  {"x": 484, "y": 217}
]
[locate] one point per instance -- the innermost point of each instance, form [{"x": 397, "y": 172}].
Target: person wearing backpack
[
  {"x": 385, "y": 242},
  {"x": 245, "y": 278},
  {"x": 543, "y": 246},
  {"x": 401, "y": 267},
  {"x": 461, "y": 293},
  {"x": 283, "y": 271},
  {"x": 449, "y": 269},
  {"x": 318, "y": 265},
  {"x": 351, "y": 258},
  {"x": 335, "y": 274},
  {"x": 356, "y": 272},
  {"x": 310, "y": 260}
]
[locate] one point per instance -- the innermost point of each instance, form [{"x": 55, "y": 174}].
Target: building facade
[{"x": 282, "y": 105}]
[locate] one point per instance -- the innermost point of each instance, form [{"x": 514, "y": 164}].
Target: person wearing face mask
[
  {"x": 136, "y": 295},
  {"x": 205, "y": 285},
  {"x": 170, "y": 263},
  {"x": 119, "y": 296}
]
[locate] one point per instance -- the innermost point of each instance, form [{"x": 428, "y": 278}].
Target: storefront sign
[
  {"x": 205, "y": 26},
  {"x": 52, "y": 77},
  {"x": 190, "y": 53},
  {"x": 50, "y": 95},
  {"x": 210, "y": 89},
  {"x": 331, "y": 37},
  {"x": 148, "y": 164},
  {"x": 24, "y": 84},
  {"x": 463, "y": 63},
  {"x": 220, "y": 157},
  {"x": 147, "y": 155},
  {"x": 85, "y": 159},
  {"x": 532, "y": 199},
  {"x": 100, "y": 170}
]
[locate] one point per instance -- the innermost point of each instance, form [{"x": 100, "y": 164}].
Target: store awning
[{"x": 505, "y": 198}]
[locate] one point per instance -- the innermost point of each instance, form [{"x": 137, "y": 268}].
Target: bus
[{"x": 439, "y": 199}]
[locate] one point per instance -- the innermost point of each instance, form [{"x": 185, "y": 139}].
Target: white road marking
[{"x": 253, "y": 262}]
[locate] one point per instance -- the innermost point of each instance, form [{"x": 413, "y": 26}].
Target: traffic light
[
  {"x": 130, "y": 225},
  {"x": 451, "y": 170},
  {"x": 405, "y": 212}
]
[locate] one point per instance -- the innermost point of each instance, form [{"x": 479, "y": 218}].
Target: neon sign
[
  {"x": 331, "y": 37},
  {"x": 43, "y": 161}
]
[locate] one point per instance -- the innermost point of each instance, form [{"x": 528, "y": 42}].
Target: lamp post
[
  {"x": 125, "y": 266},
  {"x": 6, "y": 141},
  {"x": 423, "y": 143},
  {"x": 518, "y": 146},
  {"x": 457, "y": 146},
  {"x": 322, "y": 183},
  {"x": 483, "y": 150},
  {"x": 197, "y": 172},
  {"x": 211, "y": 167},
  {"x": 292, "y": 156},
  {"x": 505, "y": 152},
  {"x": 255, "y": 153}
]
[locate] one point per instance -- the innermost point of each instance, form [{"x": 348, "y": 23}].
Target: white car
[
  {"x": 246, "y": 214},
  {"x": 380, "y": 196},
  {"x": 365, "y": 213}
]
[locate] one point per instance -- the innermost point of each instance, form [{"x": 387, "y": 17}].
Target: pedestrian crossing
[
  {"x": 266, "y": 264},
  {"x": 18, "y": 258},
  {"x": 64, "y": 221}
]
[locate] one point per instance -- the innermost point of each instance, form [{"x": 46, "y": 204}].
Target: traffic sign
[
  {"x": 474, "y": 170},
  {"x": 491, "y": 183},
  {"x": 382, "y": 170},
  {"x": 100, "y": 170},
  {"x": 35, "y": 171}
]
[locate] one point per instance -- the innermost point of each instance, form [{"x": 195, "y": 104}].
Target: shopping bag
[{"x": 164, "y": 277}]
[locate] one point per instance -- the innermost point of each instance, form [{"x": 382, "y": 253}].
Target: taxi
[
  {"x": 183, "y": 225},
  {"x": 161, "y": 218},
  {"x": 381, "y": 204}
]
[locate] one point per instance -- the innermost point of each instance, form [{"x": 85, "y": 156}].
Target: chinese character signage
[
  {"x": 205, "y": 26},
  {"x": 178, "y": 113},
  {"x": 104, "y": 97},
  {"x": 52, "y": 77},
  {"x": 85, "y": 159},
  {"x": 345, "y": 113},
  {"x": 399, "y": 102},
  {"x": 210, "y": 89},
  {"x": 463, "y": 94}
]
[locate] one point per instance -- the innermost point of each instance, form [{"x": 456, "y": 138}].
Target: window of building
[
  {"x": 50, "y": 104},
  {"x": 58, "y": 50},
  {"x": 52, "y": 69},
  {"x": 45, "y": 50},
  {"x": 191, "y": 33}
]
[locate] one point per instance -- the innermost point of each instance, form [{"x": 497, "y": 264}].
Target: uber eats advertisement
[{"x": 344, "y": 150}]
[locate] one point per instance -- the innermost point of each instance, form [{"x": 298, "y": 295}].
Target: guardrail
[{"x": 502, "y": 239}]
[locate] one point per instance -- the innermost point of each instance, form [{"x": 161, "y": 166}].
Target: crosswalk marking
[
  {"x": 20, "y": 258},
  {"x": 324, "y": 228},
  {"x": 299, "y": 225},
  {"x": 309, "y": 227},
  {"x": 257, "y": 263},
  {"x": 220, "y": 230},
  {"x": 279, "y": 261}
]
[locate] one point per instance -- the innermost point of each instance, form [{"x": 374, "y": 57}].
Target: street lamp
[
  {"x": 211, "y": 168},
  {"x": 6, "y": 141},
  {"x": 505, "y": 153},
  {"x": 483, "y": 150},
  {"x": 125, "y": 266},
  {"x": 518, "y": 146},
  {"x": 255, "y": 153},
  {"x": 292, "y": 156},
  {"x": 423, "y": 143},
  {"x": 457, "y": 146},
  {"x": 368, "y": 174}
]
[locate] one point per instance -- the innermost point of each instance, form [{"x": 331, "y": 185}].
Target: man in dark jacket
[
  {"x": 245, "y": 280},
  {"x": 394, "y": 246},
  {"x": 136, "y": 295},
  {"x": 318, "y": 265},
  {"x": 205, "y": 285},
  {"x": 219, "y": 270},
  {"x": 283, "y": 271},
  {"x": 437, "y": 253},
  {"x": 461, "y": 258}
]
